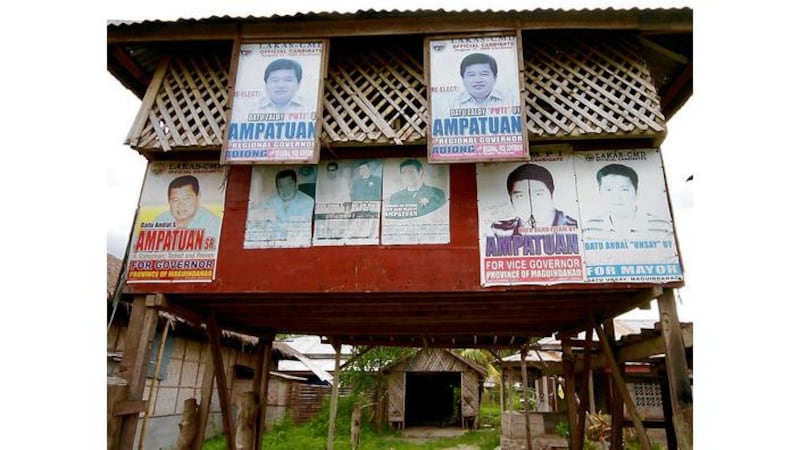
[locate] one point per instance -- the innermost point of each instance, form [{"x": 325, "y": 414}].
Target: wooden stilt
[
  {"x": 626, "y": 396},
  {"x": 334, "y": 395},
  {"x": 584, "y": 392},
  {"x": 617, "y": 409},
  {"x": 135, "y": 359},
  {"x": 154, "y": 383},
  {"x": 188, "y": 425},
  {"x": 206, "y": 392},
  {"x": 523, "y": 353},
  {"x": 261, "y": 386},
  {"x": 502, "y": 389},
  {"x": 219, "y": 374},
  {"x": 568, "y": 361},
  {"x": 680, "y": 386},
  {"x": 666, "y": 406},
  {"x": 246, "y": 421}
]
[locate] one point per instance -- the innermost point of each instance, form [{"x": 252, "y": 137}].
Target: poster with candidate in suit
[
  {"x": 281, "y": 206},
  {"x": 416, "y": 202}
]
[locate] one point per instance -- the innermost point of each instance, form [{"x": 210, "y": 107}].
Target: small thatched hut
[{"x": 434, "y": 387}]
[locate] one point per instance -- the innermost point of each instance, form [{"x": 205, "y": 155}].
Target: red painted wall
[{"x": 392, "y": 268}]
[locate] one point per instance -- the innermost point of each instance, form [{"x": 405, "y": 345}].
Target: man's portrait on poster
[
  {"x": 530, "y": 190},
  {"x": 282, "y": 78},
  {"x": 416, "y": 193},
  {"x": 185, "y": 209},
  {"x": 623, "y": 216}
]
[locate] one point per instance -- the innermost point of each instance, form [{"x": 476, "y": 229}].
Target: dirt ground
[{"x": 419, "y": 435}]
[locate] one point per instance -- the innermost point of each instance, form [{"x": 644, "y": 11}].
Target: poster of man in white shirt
[
  {"x": 626, "y": 223},
  {"x": 474, "y": 99}
]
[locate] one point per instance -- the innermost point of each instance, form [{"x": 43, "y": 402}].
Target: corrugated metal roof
[{"x": 407, "y": 13}]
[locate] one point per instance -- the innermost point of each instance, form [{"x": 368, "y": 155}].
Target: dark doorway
[{"x": 433, "y": 399}]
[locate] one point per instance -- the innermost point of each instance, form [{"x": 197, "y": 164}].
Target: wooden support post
[
  {"x": 135, "y": 359},
  {"x": 584, "y": 392},
  {"x": 246, "y": 421},
  {"x": 334, "y": 394},
  {"x": 116, "y": 392},
  {"x": 219, "y": 374},
  {"x": 568, "y": 361},
  {"x": 188, "y": 425},
  {"x": 617, "y": 409},
  {"x": 206, "y": 393},
  {"x": 626, "y": 396},
  {"x": 666, "y": 406},
  {"x": 523, "y": 353},
  {"x": 502, "y": 389},
  {"x": 261, "y": 386},
  {"x": 154, "y": 383},
  {"x": 680, "y": 386}
]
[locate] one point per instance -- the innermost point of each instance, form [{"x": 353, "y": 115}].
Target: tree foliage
[{"x": 363, "y": 371}]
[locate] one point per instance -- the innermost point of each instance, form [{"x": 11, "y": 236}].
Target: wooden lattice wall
[{"x": 577, "y": 86}]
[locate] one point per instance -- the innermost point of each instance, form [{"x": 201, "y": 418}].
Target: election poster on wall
[
  {"x": 276, "y": 103},
  {"x": 626, "y": 222},
  {"x": 348, "y": 202},
  {"x": 281, "y": 206},
  {"x": 474, "y": 99},
  {"x": 178, "y": 223},
  {"x": 528, "y": 221},
  {"x": 416, "y": 202}
]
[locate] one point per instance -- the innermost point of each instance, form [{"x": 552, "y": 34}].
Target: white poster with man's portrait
[
  {"x": 528, "y": 221},
  {"x": 416, "y": 202},
  {"x": 177, "y": 229},
  {"x": 276, "y": 103},
  {"x": 348, "y": 202},
  {"x": 474, "y": 99},
  {"x": 626, "y": 222},
  {"x": 281, "y": 206}
]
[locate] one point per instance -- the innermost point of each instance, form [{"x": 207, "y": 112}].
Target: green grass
[
  {"x": 304, "y": 438},
  {"x": 314, "y": 434}
]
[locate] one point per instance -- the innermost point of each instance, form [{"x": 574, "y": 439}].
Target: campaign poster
[
  {"x": 178, "y": 223},
  {"x": 416, "y": 202},
  {"x": 348, "y": 202},
  {"x": 474, "y": 99},
  {"x": 528, "y": 221},
  {"x": 276, "y": 103},
  {"x": 280, "y": 207},
  {"x": 626, "y": 222}
]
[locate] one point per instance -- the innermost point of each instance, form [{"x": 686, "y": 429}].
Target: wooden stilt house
[{"x": 462, "y": 263}]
